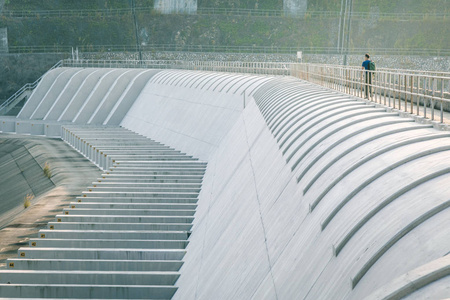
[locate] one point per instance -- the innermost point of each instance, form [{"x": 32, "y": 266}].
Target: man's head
[{"x": 367, "y": 56}]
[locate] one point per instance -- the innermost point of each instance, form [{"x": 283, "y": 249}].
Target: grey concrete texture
[
  {"x": 22, "y": 162},
  {"x": 85, "y": 96},
  {"x": 308, "y": 193},
  {"x": 113, "y": 234},
  {"x": 351, "y": 199},
  {"x": 95, "y": 265},
  {"x": 192, "y": 110},
  {"x": 87, "y": 291}
]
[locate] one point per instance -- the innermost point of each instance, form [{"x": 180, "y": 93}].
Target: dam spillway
[{"x": 308, "y": 193}]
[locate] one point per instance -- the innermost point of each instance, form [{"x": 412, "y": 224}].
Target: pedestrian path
[{"x": 125, "y": 236}]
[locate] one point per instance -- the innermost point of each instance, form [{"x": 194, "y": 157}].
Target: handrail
[
  {"x": 264, "y": 68},
  {"x": 415, "y": 93},
  {"x": 26, "y": 87}
]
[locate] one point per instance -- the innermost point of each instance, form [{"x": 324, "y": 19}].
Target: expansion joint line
[{"x": 259, "y": 209}]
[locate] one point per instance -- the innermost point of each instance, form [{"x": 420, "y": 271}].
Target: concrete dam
[{"x": 231, "y": 186}]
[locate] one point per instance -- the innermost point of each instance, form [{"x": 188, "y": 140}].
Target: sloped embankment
[{"x": 22, "y": 159}]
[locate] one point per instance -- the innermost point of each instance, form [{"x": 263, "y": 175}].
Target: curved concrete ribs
[
  {"x": 343, "y": 151},
  {"x": 85, "y": 96}
]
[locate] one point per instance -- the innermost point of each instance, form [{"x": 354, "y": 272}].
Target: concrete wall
[
  {"x": 191, "y": 111},
  {"x": 308, "y": 194},
  {"x": 3, "y": 40},
  {"x": 175, "y": 6},
  {"x": 295, "y": 7}
]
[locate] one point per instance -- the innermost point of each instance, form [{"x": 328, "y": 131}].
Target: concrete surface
[
  {"x": 71, "y": 172},
  {"x": 308, "y": 193}
]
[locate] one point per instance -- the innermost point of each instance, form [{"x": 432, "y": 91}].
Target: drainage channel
[{"x": 125, "y": 236}]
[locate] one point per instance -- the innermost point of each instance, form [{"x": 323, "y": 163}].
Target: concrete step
[
  {"x": 143, "y": 189},
  {"x": 140, "y": 194},
  {"x": 123, "y": 219},
  {"x": 161, "y": 157},
  {"x": 113, "y": 234},
  {"x": 119, "y": 226},
  {"x": 155, "y": 171},
  {"x": 182, "y": 163},
  {"x": 128, "y": 212},
  {"x": 151, "y": 179},
  {"x": 115, "y": 205},
  {"x": 125, "y": 184},
  {"x": 142, "y": 151},
  {"x": 146, "y": 200},
  {"x": 93, "y": 265},
  {"x": 108, "y": 243},
  {"x": 88, "y": 291},
  {"x": 88, "y": 277},
  {"x": 149, "y": 164},
  {"x": 101, "y": 253}
]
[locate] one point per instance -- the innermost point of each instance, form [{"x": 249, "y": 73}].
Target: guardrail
[
  {"x": 422, "y": 93},
  {"x": 419, "y": 94},
  {"x": 265, "y": 68},
  {"x": 25, "y": 88}
]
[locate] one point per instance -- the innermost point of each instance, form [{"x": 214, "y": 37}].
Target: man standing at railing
[{"x": 366, "y": 66}]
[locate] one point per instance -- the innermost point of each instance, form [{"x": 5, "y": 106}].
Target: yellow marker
[
  {"x": 11, "y": 265},
  {"x": 22, "y": 254},
  {"x": 84, "y": 195},
  {"x": 73, "y": 206},
  {"x": 79, "y": 200},
  {"x": 59, "y": 219},
  {"x": 95, "y": 185},
  {"x": 42, "y": 235},
  {"x": 90, "y": 190},
  {"x": 67, "y": 212},
  {"x": 33, "y": 244},
  {"x": 52, "y": 227}
]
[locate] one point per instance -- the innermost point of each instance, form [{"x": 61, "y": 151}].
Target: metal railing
[
  {"x": 420, "y": 94},
  {"x": 417, "y": 92},
  {"x": 23, "y": 89},
  {"x": 262, "y": 68}
]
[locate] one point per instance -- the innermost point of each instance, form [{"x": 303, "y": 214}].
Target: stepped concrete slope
[
  {"x": 125, "y": 236},
  {"x": 308, "y": 194}
]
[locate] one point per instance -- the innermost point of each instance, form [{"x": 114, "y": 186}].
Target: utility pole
[
  {"x": 349, "y": 22},
  {"x": 338, "y": 48},
  {"x": 138, "y": 44}
]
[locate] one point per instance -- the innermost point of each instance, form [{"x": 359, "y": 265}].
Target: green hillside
[
  {"x": 419, "y": 26},
  {"x": 105, "y": 28}
]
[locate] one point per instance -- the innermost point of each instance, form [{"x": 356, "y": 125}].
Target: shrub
[
  {"x": 27, "y": 200},
  {"x": 47, "y": 171}
]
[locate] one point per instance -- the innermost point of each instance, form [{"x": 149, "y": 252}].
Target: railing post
[{"x": 433, "y": 82}]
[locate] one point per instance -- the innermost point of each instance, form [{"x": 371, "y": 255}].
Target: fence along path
[
  {"x": 125, "y": 236},
  {"x": 424, "y": 94}
]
